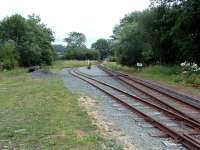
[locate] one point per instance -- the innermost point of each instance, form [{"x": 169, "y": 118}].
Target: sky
[{"x": 94, "y": 18}]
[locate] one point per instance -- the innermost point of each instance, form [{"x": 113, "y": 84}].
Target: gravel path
[{"x": 139, "y": 132}]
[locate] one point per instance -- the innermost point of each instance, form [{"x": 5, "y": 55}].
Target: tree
[
  {"x": 31, "y": 37},
  {"x": 8, "y": 56},
  {"x": 59, "y": 48},
  {"x": 131, "y": 40},
  {"x": 186, "y": 31},
  {"x": 132, "y": 45},
  {"x": 168, "y": 33},
  {"x": 75, "y": 40},
  {"x": 103, "y": 46},
  {"x": 81, "y": 54},
  {"x": 13, "y": 28}
]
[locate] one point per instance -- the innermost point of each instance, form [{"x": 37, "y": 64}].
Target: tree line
[
  {"x": 25, "y": 42},
  {"x": 167, "y": 32},
  {"x": 76, "y": 48}
]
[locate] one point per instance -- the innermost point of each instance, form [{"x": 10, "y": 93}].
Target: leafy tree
[
  {"x": 131, "y": 40},
  {"x": 8, "y": 55},
  {"x": 75, "y": 40},
  {"x": 31, "y": 37},
  {"x": 13, "y": 28},
  {"x": 103, "y": 46},
  {"x": 186, "y": 31},
  {"x": 131, "y": 45},
  {"x": 128, "y": 19},
  {"x": 81, "y": 54},
  {"x": 59, "y": 48},
  {"x": 168, "y": 31}
]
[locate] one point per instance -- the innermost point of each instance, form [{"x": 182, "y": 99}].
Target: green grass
[
  {"x": 39, "y": 113},
  {"x": 60, "y": 64},
  {"x": 171, "y": 75}
]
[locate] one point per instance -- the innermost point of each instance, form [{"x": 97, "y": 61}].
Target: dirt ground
[{"x": 106, "y": 128}]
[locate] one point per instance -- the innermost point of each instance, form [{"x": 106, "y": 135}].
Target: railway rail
[
  {"x": 159, "y": 104},
  {"x": 184, "y": 126},
  {"x": 177, "y": 104},
  {"x": 180, "y": 97}
]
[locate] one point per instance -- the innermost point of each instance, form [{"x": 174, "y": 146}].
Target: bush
[
  {"x": 111, "y": 59},
  {"x": 81, "y": 54},
  {"x": 31, "y": 40},
  {"x": 190, "y": 67},
  {"x": 7, "y": 55}
]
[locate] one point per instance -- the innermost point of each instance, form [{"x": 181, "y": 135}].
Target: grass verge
[
  {"x": 60, "y": 64},
  {"x": 170, "y": 75},
  {"x": 39, "y": 113}
]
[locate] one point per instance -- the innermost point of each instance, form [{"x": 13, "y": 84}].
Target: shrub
[
  {"x": 31, "y": 40},
  {"x": 81, "y": 54},
  {"x": 7, "y": 55},
  {"x": 111, "y": 59},
  {"x": 190, "y": 67}
]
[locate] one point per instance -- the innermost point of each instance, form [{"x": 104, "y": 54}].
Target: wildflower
[
  {"x": 184, "y": 72},
  {"x": 139, "y": 64},
  {"x": 187, "y": 64},
  {"x": 194, "y": 66},
  {"x": 183, "y": 64}
]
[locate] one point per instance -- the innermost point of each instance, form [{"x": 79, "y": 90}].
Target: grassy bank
[
  {"x": 171, "y": 75},
  {"x": 39, "y": 113},
  {"x": 60, "y": 64}
]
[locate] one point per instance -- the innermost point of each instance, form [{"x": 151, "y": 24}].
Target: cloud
[{"x": 94, "y": 18}]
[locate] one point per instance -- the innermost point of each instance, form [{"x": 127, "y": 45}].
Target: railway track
[
  {"x": 194, "y": 103},
  {"x": 177, "y": 125},
  {"x": 182, "y": 107}
]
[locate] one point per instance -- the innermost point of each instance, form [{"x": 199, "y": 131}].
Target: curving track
[
  {"x": 131, "y": 80},
  {"x": 184, "y": 126}
]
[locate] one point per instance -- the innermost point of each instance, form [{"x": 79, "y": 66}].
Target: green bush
[
  {"x": 31, "y": 41},
  {"x": 111, "y": 59},
  {"x": 7, "y": 55},
  {"x": 81, "y": 54}
]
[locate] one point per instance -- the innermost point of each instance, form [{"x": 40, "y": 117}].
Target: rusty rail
[
  {"x": 183, "y": 138},
  {"x": 195, "y": 103},
  {"x": 175, "y": 112}
]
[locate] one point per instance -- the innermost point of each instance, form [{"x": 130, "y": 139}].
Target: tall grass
[
  {"x": 60, "y": 64},
  {"x": 170, "y": 74}
]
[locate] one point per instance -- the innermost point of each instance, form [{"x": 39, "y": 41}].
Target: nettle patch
[{"x": 190, "y": 67}]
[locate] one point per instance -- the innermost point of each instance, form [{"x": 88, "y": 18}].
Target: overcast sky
[{"x": 94, "y": 18}]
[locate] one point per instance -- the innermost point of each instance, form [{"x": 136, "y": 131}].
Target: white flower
[
  {"x": 184, "y": 72},
  {"x": 187, "y": 64},
  {"x": 183, "y": 64},
  {"x": 194, "y": 65},
  {"x": 139, "y": 64}
]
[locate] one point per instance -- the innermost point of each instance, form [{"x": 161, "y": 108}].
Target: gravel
[{"x": 128, "y": 122}]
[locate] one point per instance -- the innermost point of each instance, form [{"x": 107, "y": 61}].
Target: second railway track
[
  {"x": 180, "y": 127},
  {"x": 156, "y": 88}
]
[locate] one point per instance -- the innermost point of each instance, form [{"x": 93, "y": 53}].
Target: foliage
[
  {"x": 61, "y": 64},
  {"x": 75, "y": 40},
  {"x": 31, "y": 37},
  {"x": 8, "y": 56},
  {"x": 171, "y": 75},
  {"x": 111, "y": 59},
  {"x": 131, "y": 45},
  {"x": 166, "y": 33},
  {"x": 59, "y": 48},
  {"x": 190, "y": 67},
  {"x": 103, "y": 46},
  {"x": 81, "y": 54}
]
